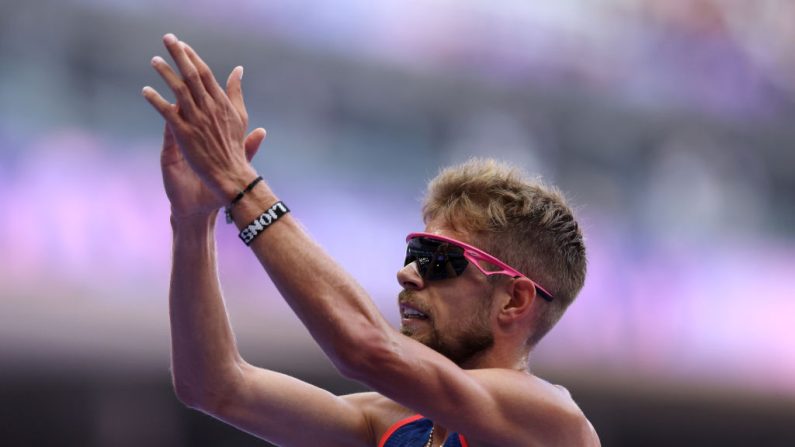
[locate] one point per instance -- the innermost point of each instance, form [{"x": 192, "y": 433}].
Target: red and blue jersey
[{"x": 414, "y": 431}]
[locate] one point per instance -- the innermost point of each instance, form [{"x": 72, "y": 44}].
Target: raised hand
[
  {"x": 208, "y": 125},
  {"x": 188, "y": 195}
]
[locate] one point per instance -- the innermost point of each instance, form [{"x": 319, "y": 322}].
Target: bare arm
[
  {"x": 204, "y": 358},
  {"x": 209, "y": 373},
  {"x": 211, "y": 376}
]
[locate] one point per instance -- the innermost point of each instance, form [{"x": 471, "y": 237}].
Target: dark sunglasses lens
[{"x": 436, "y": 260}]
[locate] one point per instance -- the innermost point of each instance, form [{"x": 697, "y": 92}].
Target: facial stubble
[{"x": 470, "y": 339}]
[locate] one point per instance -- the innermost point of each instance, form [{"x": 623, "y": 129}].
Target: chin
[
  {"x": 421, "y": 336},
  {"x": 411, "y": 333},
  {"x": 460, "y": 351}
]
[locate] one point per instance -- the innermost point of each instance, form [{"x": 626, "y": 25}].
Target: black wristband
[
  {"x": 261, "y": 223},
  {"x": 228, "y": 208}
]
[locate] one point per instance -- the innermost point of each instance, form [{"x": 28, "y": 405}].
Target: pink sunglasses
[{"x": 440, "y": 257}]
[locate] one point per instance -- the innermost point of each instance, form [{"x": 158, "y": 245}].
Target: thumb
[
  {"x": 234, "y": 90},
  {"x": 252, "y": 142}
]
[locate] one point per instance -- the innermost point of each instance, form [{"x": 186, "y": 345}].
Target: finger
[
  {"x": 175, "y": 83},
  {"x": 234, "y": 90},
  {"x": 253, "y": 141},
  {"x": 206, "y": 75},
  {"x": 189, "y": 72},
  {"x": 167, "y": 110}
]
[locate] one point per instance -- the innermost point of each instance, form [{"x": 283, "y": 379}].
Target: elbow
[
  {"x": 196, "y": 393},
  {"x": 186, "y": 394},
  {"x": 207, "y": 393}
]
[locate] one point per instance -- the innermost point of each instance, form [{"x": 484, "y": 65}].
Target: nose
[{"x": 409, "y": 277}]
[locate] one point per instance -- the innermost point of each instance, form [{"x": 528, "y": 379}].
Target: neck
[{"x": 497, "y": 357}]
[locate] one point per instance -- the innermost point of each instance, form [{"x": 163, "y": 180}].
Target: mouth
[{"x": 408, "y": 312}]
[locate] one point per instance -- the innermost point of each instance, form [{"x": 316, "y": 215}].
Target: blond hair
[{"x": 519, "y": 220}]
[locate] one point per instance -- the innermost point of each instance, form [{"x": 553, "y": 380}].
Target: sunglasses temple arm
[{"x": 543, "y": 294}]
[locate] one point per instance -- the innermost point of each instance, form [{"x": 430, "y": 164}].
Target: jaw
[{"x": 468, "y": 349}]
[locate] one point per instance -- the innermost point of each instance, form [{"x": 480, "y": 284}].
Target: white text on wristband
[{"x": 261, "y": 223}]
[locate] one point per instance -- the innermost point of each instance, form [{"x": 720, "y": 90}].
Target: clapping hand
[{"x": 205, "y": 157}]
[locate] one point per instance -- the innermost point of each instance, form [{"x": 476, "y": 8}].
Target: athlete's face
[{"x": 451, "y": 316}]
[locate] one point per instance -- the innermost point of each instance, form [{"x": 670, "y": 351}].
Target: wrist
[
  {"x": 197, "y": 220},
  {"x": 196, "y": 235},
  {"x": 252, "y": 204},
  {"x": 231, "y": 183}
]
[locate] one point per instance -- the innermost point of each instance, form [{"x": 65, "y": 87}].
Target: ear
[{"x": 519, "y": 305}]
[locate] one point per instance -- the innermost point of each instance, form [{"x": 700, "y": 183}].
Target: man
[{"x": 499, "y": 261}]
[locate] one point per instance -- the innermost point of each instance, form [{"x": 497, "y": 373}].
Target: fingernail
[
  {"x": 145, "y": 90},
  {"x": 241, "y": 72},
  {"x": 156, "y": 60},
  {"x": 169, "y": 38}
]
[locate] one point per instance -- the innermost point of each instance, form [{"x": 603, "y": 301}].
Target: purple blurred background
[{"x": 668, "y": 123}]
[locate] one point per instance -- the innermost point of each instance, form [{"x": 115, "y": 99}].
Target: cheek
[
  {"x": 480, "y": 312},
  {"x": 461, "y": 302},
  {"x": 457, "y": 317}
]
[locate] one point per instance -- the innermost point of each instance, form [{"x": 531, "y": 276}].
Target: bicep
[{"x": 289, "y": 412}]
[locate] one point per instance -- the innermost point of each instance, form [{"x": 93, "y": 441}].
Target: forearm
[
  {"x": 335, "y": 309},
  {"x": 204, "y": 356}
]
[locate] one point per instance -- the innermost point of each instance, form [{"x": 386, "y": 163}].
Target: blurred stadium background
[{"x": 669, "y": 123}]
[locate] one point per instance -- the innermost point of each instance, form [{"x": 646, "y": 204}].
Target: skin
[{"x": 489, "y": 396}]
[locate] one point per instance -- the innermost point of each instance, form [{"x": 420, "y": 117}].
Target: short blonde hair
[{"x": 521, "y": 221}]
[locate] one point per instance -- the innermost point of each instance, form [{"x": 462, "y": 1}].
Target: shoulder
[
  {"x": 521, "y": 384},
  {"x": 578, "y": 426},
  {"x": 537, "y": 407}
]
